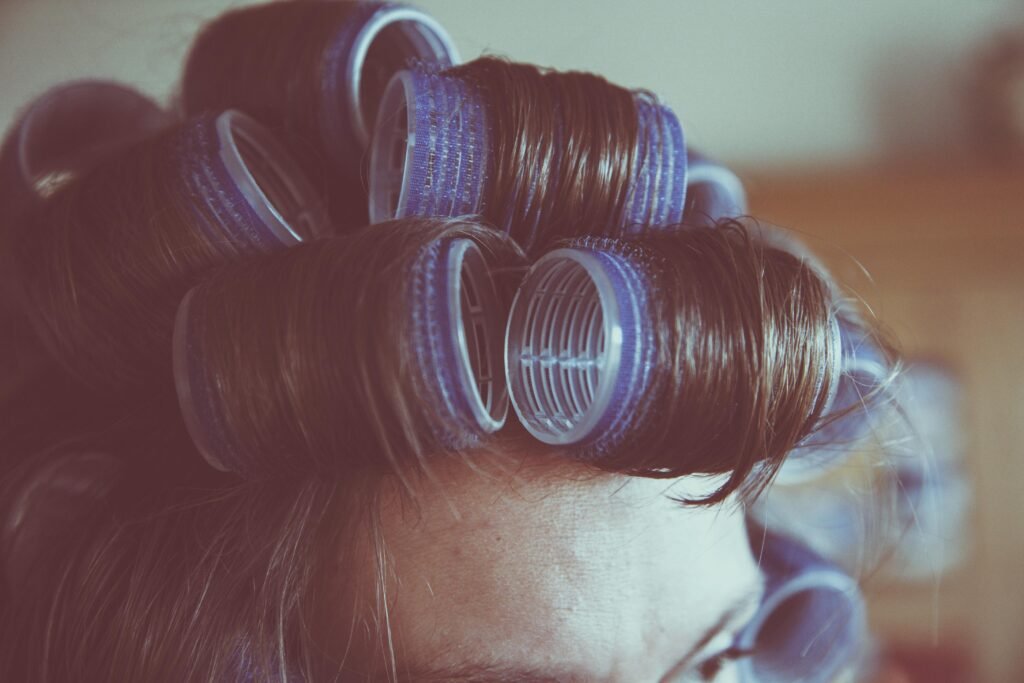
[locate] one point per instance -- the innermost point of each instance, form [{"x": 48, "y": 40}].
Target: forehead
[{"x": 550, "y": 566}]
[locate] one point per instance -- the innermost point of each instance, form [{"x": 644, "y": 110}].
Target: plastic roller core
[
  {"x": 386, "y": 44},
  {"x": 392, "y": 149},
  {"x": 563, "y": 347},
  {"x": 189, "y": 396},
  {"x": 475, "y": 308},
  {"x": 271, "y": 182}
]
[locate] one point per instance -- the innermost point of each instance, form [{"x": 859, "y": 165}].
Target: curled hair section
[
  {"x": 541, "y": 154},
  {"x": 315, "y": 73},
  {"x": 861, "y": 401},
  {"x": 103, "y": 264},
  {"x": 699, "y": 351},
  {"x": 371, "y": 349},
  {"x": 862, "y": 396}
]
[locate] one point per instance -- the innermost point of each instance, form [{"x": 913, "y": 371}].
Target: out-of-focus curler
[
  {"x": 64, "y": 131},
  {"x": 627, "y": 350},
  {"x": 44, "y": 503},
  {"x": 926, "y": 471},
  {"x": 314, "y": 72},
  {"x": 58, "y": 135},
  {"x": 540, "y": 154},
  {"x": 103, "y": 264},
  {"x": 860, "y": 390},
  {"x": 901, "y": 508},
  {"x": 713, "y": 192},
  {"x": 321, "y": 358},
  {"x": 811, "y": 626}
]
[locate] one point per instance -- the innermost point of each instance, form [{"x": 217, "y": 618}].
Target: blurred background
[{"x": 889, "y": 133}]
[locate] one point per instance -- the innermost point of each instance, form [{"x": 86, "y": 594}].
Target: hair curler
[
  {"x": 633, "y": 345},
  {"x": 713, "y": 192},
  {"x": 434, "y": 145},
  {"x": 64, "y": 131},
  {"x": 458, "y": 322},
  {"x": 901, "y": 508},
  {"x": 118, "y": 246},
  {"x": 811, "y": 626},
  {"x": 445, "y": 351},
  {"x": 929, "y": 532},
  {"x": 580, "y": 345},
  {"x": 431, "y": 149},
  {"x": 314, "y": 72},
  {"x": 251, "y": 194},
  {"x": 60, "y": 134}
]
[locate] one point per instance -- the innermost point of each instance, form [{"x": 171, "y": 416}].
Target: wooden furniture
[{"x": 944, "y": 249}]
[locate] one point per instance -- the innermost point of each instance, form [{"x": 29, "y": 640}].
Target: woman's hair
[
  {"x": 128, "y": 558},
  {"x": 181, "y": 573},
  {"x": 196, "y": 580}
]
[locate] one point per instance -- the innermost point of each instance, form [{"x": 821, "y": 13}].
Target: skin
[{"x": 546, "y": 570}]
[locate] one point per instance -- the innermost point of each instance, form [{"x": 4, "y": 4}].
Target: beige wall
[{"x": 755, "y": 82}]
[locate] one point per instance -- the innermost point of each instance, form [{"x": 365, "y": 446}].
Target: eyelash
[{"x": 710, "y": 667}]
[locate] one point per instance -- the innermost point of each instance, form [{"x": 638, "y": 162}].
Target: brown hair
[
  {"x": 313, "y": 355},
  {"x": 183, "y": 579},
  {"x": 176, "y": 572},
  {"x": 219, "y": 579},
  {"x": 564, "y": 150}
]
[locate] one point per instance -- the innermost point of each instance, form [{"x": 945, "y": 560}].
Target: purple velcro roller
[
  {"x": 345, "y": 54},
  {"x": 811, "y": 626},
  {"x": 432, "y": 155},
  {"x": 713, "y": 192},
  {"x": 657, "y": 193},
  {"x": 346, "y": 119},
  {"x": 249, "y": 194},
  {"x": 431, "y": 149},
  {"x": 455, "y": 326},
  {"x": 579, "y": 349}
]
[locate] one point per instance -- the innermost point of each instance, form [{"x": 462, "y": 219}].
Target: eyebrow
[{"x": 483, "y": 673}]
